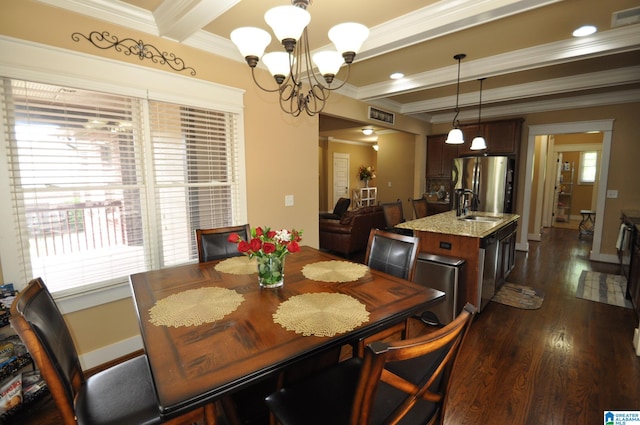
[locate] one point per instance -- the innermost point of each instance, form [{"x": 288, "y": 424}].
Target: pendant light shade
[
  {"x": 478, "y": 142},
  {"x": 455, "y": 135}
]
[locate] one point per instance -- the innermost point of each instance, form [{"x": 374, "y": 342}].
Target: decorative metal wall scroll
[{"x": 129, "y": 46}]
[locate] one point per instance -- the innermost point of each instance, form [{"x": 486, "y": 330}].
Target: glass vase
[
  {"x": 270, "y": 271},
  {"x": 366, "y": 182}
]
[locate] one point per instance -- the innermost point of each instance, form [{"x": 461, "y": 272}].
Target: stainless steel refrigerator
[{"x": 490, "y": 178}]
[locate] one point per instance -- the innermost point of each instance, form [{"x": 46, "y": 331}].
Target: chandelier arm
[{"x": 253, "y": 74}]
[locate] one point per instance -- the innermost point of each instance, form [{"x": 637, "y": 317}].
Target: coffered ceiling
[{"x": 524, "y": 48}]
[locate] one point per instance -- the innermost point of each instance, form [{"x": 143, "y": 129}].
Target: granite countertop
[{"x": 448, "y": 223}]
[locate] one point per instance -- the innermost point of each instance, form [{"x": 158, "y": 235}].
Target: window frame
[
  {"x": 581, "y": 168},
  {"x": 35, "y": 62}
]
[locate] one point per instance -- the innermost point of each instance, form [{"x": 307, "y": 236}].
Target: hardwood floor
[{"x": 565, "y": 363}]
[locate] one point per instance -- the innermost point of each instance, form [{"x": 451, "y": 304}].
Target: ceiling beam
[{"x": 180, "y": 19}]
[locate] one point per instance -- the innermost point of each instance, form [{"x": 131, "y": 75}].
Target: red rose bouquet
[{"x": 269, "y": 247}]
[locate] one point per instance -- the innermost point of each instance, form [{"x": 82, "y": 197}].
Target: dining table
[{"x": 209, "y": 331}]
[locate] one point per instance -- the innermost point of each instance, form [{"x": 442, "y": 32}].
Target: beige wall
[{"x": 281, "y": 151}]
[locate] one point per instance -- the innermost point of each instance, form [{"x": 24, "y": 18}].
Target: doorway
[
  {"x": 567, "y": 189},
  {"x": 532, "y": 204},
  {"x": 340, "y": 176}
]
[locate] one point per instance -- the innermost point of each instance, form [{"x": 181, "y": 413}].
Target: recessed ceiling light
[
  {"x": 584, "y": 31},
  {"x": 367, "y": 131},
  {"x": 396, "y": 75}
]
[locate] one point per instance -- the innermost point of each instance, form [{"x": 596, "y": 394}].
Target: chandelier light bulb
[
  {"x": 251, "y": 42},
  {"x": 287, "y": 22},
  {"x": 348, "y": 38}
]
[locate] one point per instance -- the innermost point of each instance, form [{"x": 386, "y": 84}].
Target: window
[
  {"x": 105, "y": 185},
  {"x": 588, "y": 167}
]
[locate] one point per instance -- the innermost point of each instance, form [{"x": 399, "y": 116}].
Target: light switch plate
[
  {"x": 612, "y": 193},
  {"x": 288, "y": 200}
]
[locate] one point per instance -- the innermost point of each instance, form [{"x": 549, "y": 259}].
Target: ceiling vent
[
  {"x": 380, "y": 115},
  {"x": 625, "y": 17}
]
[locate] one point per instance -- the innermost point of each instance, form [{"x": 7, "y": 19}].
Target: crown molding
[
  {"x": 123, "y": 14},
  {"x": 600, "y": 44},
  {"x": 519, "y": 109},
  {"x": 180, "y": 19},
  {"x": 588, "y": 81}
]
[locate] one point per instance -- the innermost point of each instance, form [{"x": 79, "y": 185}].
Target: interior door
[{"x": 340, "y": 176}]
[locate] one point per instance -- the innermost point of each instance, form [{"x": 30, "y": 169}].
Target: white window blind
[
  {"x": 106, "y": 185},
  {"x": 588, "y": 166}
]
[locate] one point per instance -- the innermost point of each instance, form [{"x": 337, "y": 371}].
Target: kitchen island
[{"x": 486, "y": 241}]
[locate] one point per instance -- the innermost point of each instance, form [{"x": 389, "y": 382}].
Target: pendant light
[
  {"x": 455, "y": 135},
  {"x": 478, "y": 142}
]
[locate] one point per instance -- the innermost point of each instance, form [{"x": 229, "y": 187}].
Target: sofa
[{"x": 350, "y": 234}]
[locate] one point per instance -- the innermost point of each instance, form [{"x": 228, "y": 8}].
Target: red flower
[
  {"x": 271, "y": 234},
  {"x": 268, "y": 247},
  {"x": 234, "y": 238},
  {"x": 259, "y": 231},
  {"x": 293, "y": 247},
  {"x": 243, "y": 246},
  {"x": 255, "y": 244}
]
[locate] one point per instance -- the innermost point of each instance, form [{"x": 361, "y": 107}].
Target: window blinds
[{"x": 105, "y": 185}]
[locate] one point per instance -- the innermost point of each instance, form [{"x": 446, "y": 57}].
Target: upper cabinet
[
  {"x": 503, "y": 138},
  {"x": 440, "y": 156}
]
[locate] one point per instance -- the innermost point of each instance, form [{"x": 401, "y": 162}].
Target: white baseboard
[
  {"x": 110, "y": 352},
  {"x": 534, "y": 237},
  {"x": 605, "y": 258}
]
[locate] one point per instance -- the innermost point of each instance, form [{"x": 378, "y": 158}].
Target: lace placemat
[
  {"x": 334, "y": 271},
  {"x": 195, "y": 307},
  {"x": 237, "y": 265},
  {"x": 321, "y": 314}
]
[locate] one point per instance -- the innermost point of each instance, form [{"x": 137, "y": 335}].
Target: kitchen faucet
[{"x": 464, "y": 201}]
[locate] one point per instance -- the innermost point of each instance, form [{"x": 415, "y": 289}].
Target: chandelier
[{"x": 299, "y": 86}]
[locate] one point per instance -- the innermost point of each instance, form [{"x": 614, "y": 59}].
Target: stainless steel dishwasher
[
  {"x": 487, "y": 270},
  {"x": 444, "y": 274}
]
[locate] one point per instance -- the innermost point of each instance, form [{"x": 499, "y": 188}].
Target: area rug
[
  {"x": 519, "y": 296},
  {"x": 603, "y": 288}
]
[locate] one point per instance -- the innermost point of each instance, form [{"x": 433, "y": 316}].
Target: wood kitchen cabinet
[
  {"x": 440, "y": 156},
  {"x": 503, "y": 138}
]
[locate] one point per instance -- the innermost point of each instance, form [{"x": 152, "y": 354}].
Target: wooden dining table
[{"x": 199, "y": 364}]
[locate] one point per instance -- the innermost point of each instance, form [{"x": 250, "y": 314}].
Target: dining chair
[
  {"x": 393, "y": 215},
  {"x": 213, "y": 244},
  {"x": 405, "y": 381},
  {"x": 396, "y": 255},
  {"x": 121, "y": 394},
  {"x": 392, "y": 253},
  {"x": 420, "y": 207}
]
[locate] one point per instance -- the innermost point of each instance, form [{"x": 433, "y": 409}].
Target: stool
[{"x": 587, "y": 223}]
